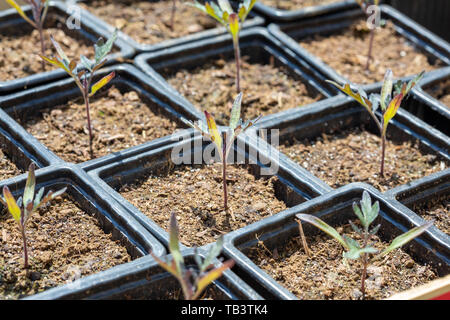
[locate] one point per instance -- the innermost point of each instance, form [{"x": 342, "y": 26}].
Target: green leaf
[
  {"x": 50, "y": 196},
  {"x": 19, "y": 10},
  {"x": 225, "y": 6},
  {"x": 28, "y": 194},
  {"x": 212, "y": 275},
  {"x": 174, "y": 245},
  {"x": 86, "y": 63},
  {"x": 323, "y": 226},
  {"x": 386, "y": 89},
  {"x": 11, "y": 204},
  {"x": 102, "y": 49},
  {"x": 212, "y": 254},
  {"x": 361, "y": 96},
  {"x": 354, "y": 253},
  {"x": 405, "y": 238},
  {"x": 355, "y": 227},
  {"x": 213, "y": 131},
  {"x": 236, "y": 112},
  {"x": 248, "y": 5},
  {"x": 101, "y": 83}
]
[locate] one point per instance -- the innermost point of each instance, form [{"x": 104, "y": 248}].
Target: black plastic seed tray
[
  {"x": 252, "y": 21},
  {"x": 428, "y": 191},
  {"x": 273, "y": 14},
  {"x": 429, "y": 108},
  {"x": 143, "y": 279},
  {"x": 58, "y": 14},
  {"x": 256, "y": 43},
  {"x": 292, "y": 188},
  {"x": 26, "y": 104},
  {"x": 339, "y": 113},
  {"x": 334, "y": 208},
  {"x": 93, "y": 201},
  {"x": 290, "y": 33}
]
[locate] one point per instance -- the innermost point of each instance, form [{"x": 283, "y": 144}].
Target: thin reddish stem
[
  {"x": 25, "y": 248},
  {"x": 224, "y": 174},
  {"x": 369, "y": 54},
  {"x": 172, "y": 18},
  {"x": 237, "y": 57},
  {"x": 383, "y": 152}
]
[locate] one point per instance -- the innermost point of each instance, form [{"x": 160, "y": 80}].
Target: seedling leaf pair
[
  {"x": 84, "y": 74},
  {"x": 39, "y": 8},
  {"x": 210, "y": 131},
  {"x": 366, "y": 214},
  {"x": 389, "y": 101},
  {"x": 193, "y": 282},
  {"x": 30, "y": 201},
  {"x": 223, "y": 12}
]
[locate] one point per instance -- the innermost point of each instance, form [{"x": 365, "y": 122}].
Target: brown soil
[
  {"x": 19, "y": 52},
  {"x": 349, "y": 54},
  {"x": 438, "y": 211},
  {"x": 441, "y": 92},
  {"x": 119, "y": 121},
  {"x": 296, "y": 4},
  {"x": 7, "y": 168},
  {"x": 149, "y": 22},
  {"x": 195, "y": 194},
  {"x": 354, "y": 156},
  {"x": 64, "y": 243},
  {"x": 267, "y": 89},
  {"x": 324, "y": 276}
]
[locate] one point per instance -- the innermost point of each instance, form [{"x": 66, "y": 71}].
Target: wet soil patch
[
  {"x": 65, "y": 243},
  {"x": 195, "y": 194},
  {"x": 324, "y": 276},
  {"x": 354, "y": 155},
  {"x": 267, "y": 89},
  {"x": 349, "y": 54},
  {"x": 296, "y": 4},
  {"x": 149, "y": 22},
  {"x": 119, "y": 120}
]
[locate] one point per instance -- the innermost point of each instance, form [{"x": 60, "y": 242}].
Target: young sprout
[
  {"x": 83, "y": 76},
  {"x": 236, "y": 127},
  {"x": 231, "y": 20},
  {"x": 193, "y": 281},
  {"x": 354, "y": 251},
  {"x": 365, "y": 6},
  {"x": 25, "y": 206},
  {"x": 39, "y": 9},
  {"x": 388, "y": 102}
]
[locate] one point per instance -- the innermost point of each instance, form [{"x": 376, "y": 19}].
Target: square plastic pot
[
  {"x": 93, "y": 201},
  {"x": 256, "y": 43},
  {"x": 428, "y": 190},
  {"x": 291, "y": 33},
  {"x": 431, "y": 14},
  {"x": 58, "y": 13},
  {"x": 144, "y": 279},
  {"x": 292, "y": 188},
  {"x": 276, "y": 15},
  {"x": 428, "y": 108},
  {"x": 335, "y": 208},
  {"x": 252, "y": 21},
  {"x": 20, "y": 148},
  {"x": 27, "y": 103},
  {"x": 341, "y": 113}
]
